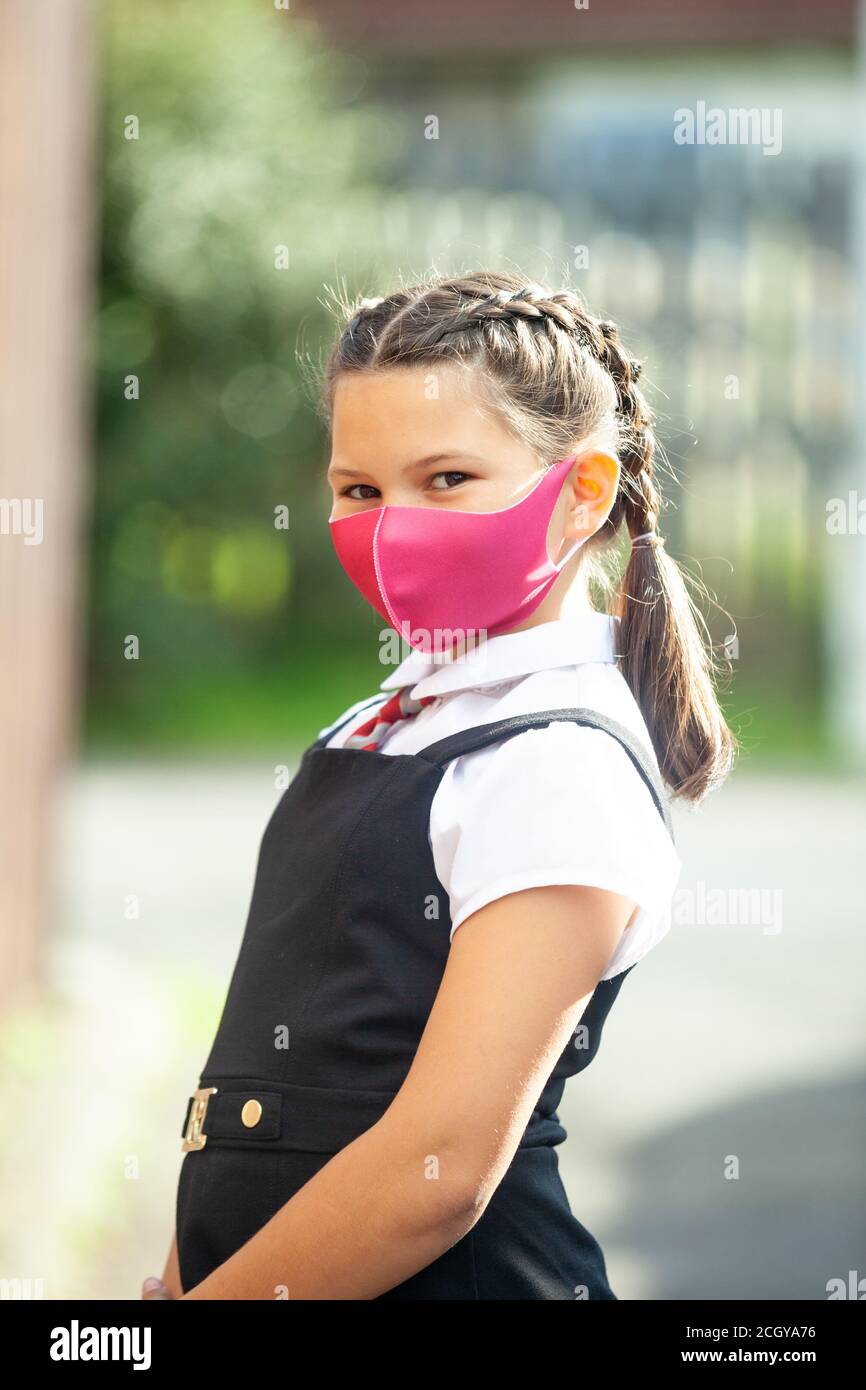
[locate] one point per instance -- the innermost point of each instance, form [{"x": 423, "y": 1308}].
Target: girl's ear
[{"x": 595, "y": 485}]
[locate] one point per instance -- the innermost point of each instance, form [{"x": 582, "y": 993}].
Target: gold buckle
[{"x": 195, "y": 1138}]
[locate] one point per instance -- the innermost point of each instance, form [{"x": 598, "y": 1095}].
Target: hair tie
[{"x": 651, "y": 537}]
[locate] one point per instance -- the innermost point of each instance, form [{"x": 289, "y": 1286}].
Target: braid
[
  {"x": 639, "y": 502},
  {"x": 529, "y": 302}
]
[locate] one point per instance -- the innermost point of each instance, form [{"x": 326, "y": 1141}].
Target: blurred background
[{"x": 181, "y": 185}]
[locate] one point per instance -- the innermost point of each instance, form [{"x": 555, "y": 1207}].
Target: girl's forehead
[
  {"x": 422, "y": 401},
  {"x": 411, "y": 387}
]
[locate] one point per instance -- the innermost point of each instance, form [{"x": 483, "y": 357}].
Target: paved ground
[{"x": 716, "y": 1145}]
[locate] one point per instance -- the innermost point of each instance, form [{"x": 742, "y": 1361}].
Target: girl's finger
[{"x": 154, "y": 1288}]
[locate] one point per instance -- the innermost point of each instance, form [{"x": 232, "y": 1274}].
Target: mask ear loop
[{"x": 559, "y": 565}]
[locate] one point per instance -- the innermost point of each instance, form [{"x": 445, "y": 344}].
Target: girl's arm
[{"x": 518, "y": 976}]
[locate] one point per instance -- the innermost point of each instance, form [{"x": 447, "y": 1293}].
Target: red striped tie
[{"x": 400, "y": 706}]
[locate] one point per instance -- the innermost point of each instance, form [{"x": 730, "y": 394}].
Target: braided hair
[{"x": 559, "y": 376}]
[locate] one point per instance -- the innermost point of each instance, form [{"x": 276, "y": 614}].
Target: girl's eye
[
  {"x": 363, "y": 492},
  {"x": 350, "y": 491},
  {"x": 459, "y": 476}
]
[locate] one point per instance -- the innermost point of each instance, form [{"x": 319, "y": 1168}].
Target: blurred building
[{"x": 505, "y": 27}]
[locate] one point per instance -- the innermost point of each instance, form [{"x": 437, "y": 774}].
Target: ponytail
[
  {"x": 666, "y": 652},
  {"x": 667, "y": 664}
]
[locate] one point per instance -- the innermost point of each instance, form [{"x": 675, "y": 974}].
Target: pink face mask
[{"x": 437, "y": 576}]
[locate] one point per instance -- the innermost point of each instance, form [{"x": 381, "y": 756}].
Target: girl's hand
[
  {"x": 169, "y": 1286},
  {"x": 155, "y": 1288}
]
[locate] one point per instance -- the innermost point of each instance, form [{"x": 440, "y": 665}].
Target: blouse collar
[{"x": 587, "y": 636}]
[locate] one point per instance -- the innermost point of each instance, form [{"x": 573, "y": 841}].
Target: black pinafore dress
[{"x": 338, "y": 968}]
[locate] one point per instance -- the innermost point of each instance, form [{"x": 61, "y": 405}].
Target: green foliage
[{"x": 247, "y": 189}]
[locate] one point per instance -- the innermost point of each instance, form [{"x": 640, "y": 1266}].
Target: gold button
[{"x": 251, "y": 1113}]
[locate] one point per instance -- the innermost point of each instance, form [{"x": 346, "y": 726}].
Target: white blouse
[{"x": 557, "y": 805}]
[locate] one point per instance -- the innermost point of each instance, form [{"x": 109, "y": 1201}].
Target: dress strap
[
  {"x": 356, "y": 713},
  {"x": 482, "y": 735}
]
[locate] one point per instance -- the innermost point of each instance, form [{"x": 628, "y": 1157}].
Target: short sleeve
[{"x": 563, "y": 804}]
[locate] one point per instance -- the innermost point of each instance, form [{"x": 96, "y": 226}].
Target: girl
[{"x": 469, "y": 862}]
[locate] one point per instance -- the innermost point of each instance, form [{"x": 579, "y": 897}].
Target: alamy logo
[
  {"x": 22, "y": 516},
  {"x": 440, "y": 644},
  {"x": 22, "y": 1288},
  {"x": 76, "y": 1343},
  {"x": 854, "y": 1287},
  {"x": 846, "y": 516},
  {"x": 705, "y": 906},
  {"x": 756, "y": 125}
]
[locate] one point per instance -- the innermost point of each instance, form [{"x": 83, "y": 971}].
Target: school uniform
[{"x": 529, "y": 764}]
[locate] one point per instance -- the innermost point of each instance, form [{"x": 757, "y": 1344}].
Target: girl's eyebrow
[
  {"x": 438, "y": 458},
  {"x": 419, "y": 463}
]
